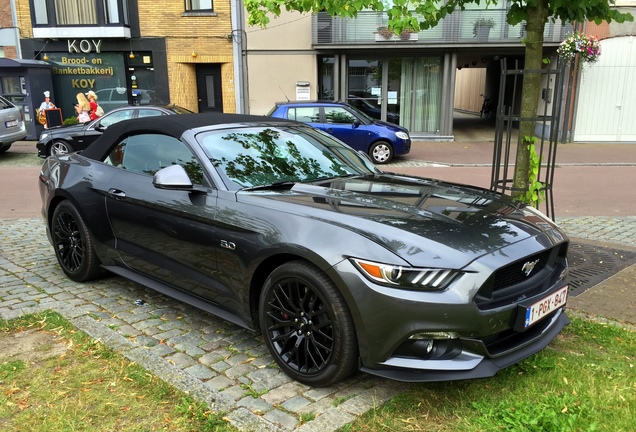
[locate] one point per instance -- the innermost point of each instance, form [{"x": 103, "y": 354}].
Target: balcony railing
[{"x": 458, "y": 28}]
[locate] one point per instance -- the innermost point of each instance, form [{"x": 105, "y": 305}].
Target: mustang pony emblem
[{"x": 528, "y": 267}]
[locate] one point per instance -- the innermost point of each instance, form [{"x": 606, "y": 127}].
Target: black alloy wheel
[
  {"x": 307, "y": 325},
  {"x": 73, "y": 244}
]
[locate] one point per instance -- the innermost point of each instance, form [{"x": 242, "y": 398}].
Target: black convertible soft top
[{"x": 172, "y": 125}]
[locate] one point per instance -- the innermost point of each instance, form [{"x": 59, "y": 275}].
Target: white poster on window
[{"x": 392, "y": 98}]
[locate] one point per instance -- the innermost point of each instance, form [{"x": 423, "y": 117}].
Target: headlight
[
  {"x": 402, "y": 135},
  {"x": 434, "y": 279},
  {"x": 43, "y": 136}
]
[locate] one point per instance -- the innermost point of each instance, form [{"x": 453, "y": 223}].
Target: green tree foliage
[{"x": 402, "y": 15}]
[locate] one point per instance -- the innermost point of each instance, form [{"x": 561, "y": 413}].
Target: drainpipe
[
  {"x": 239, "y": 51},
  {"x": 14, "y": 18}
]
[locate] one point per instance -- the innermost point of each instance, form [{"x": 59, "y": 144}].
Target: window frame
[{"x": 188, "y": 7}]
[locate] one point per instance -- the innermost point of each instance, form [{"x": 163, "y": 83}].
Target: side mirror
[
  {"x": 99, "y": 127},
  {"x": 356, "y": 123},
  {"x": 172, "y": 177}
]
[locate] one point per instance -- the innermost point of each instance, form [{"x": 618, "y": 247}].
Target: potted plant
[
  {"x": 481, "y": 28},
  {"x": 384, "y": 33}
]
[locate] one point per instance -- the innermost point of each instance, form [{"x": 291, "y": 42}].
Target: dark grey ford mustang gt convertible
[{"x": 282, "y": 229}]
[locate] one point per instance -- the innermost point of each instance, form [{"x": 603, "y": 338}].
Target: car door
[
  {"x": 168, "y": 235},
  {"x": 345, "y": 126}
]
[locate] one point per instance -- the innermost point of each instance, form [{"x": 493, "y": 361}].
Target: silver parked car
[{"x": 12, "y": 127}]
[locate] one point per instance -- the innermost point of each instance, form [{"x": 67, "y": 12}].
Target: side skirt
[{"x": 180, "y": 295}]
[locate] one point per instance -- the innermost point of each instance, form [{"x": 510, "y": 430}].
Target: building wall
[
  {"x": 268, "y": 85},
  {"x": 7, "y": 32},
  {"x": 23, "y": 12},
  {"x": 191, "y": 40},
  {"x": 277, "y": 58}
]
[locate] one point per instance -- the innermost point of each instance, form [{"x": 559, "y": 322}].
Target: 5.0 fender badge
[{"x": 228, "y": 245}]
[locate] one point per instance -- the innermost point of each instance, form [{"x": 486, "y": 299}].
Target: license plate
[
  {"x": 11, "y": 123},
  {"x": 546, "y": 306}
]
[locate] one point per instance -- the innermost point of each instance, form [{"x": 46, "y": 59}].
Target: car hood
[
  {"x": 67, "y": 129},
  {"x": 391, "y": 126},
  {"x": 418, "y": 219}
]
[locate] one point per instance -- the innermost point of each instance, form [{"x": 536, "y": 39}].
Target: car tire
[
  {"x": 5, "y": 148},
  {"x": 381, "y": 152},
  {"x": 307, "y": 326},
  {"x": 73, "y": 244},
  {"x": 60, "y": 147}
]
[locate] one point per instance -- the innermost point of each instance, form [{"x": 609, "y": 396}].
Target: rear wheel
[
  {"x": 60, "y": 147},
  {"x": 307, "y": 325},
  {"x": 73, "y": 244},
  {"x": 381, "y": 152},
  {"x": 5, "y": 148}
]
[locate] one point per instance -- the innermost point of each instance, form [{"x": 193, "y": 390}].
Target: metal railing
[{"x": 458, "y": 28}]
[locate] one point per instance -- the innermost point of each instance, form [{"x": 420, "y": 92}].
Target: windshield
[{"x": 256, "y": 156}]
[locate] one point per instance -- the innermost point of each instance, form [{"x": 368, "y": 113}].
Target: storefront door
[
  {"x": 209, "y": 88},
  {"x": 400, "y": 90}
]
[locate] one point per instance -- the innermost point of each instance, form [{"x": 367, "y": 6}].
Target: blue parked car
[{"x": 380, "y": 140}]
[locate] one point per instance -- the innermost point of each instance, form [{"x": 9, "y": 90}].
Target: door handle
[{"x": 117, "y": 194}]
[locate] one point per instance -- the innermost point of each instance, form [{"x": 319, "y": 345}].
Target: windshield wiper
[{"x": 276, "y": 185}]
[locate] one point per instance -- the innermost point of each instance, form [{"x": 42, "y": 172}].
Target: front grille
[
  {"x": 514, "y": 273},
  {"x": 517, "y": 281}
]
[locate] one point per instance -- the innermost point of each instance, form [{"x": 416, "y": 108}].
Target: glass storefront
[
  {"x": 401, "y": 90},
  {"x": 116, "y": 79}
]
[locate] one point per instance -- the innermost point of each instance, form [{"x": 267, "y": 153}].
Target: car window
[
  {"x": 103, "y": 95},
  {"x": 148, "y": 153},
  {"x": 149, "y": 113},
  {"x": 115, "y": 117},
  {"x": 5, "y": 103},
  {"x": 116, "y": 96},
  {"x": 304, "y": 114},
  {"x": 338, "y": 115},
  {"x": 252, "y": 156}
]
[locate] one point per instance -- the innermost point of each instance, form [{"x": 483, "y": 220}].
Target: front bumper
[
  {"x": 13, "y": 136},
  {"x": 484, "y": 324},
  {"x": 472, "y": 366},
  {"x": 41, "y": 146}
]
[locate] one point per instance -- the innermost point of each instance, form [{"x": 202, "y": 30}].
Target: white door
[{"x": 606, "y": 107}]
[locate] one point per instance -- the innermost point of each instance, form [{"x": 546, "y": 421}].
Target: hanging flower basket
[{"x": 587, "y": 47}]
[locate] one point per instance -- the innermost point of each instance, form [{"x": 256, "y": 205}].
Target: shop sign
[{"x": 85, "y": 46}]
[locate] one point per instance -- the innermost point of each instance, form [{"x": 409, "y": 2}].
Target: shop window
[
  {"x": 199, "y": 5},
  {"x": 74, "y": 12}
]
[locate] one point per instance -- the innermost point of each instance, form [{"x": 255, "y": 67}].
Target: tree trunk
[{"x": 537, "y": 17}]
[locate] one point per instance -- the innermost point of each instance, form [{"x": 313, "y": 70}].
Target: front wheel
[
  {"x": 60, "y": 147},
  {"x": 73, "y": 244},
  {"x": 307, "y": 326},
  {"x": 381, "y": 152}
]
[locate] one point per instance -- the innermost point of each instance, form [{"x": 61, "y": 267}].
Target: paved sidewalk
[{"x": 221, "y": 364}]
